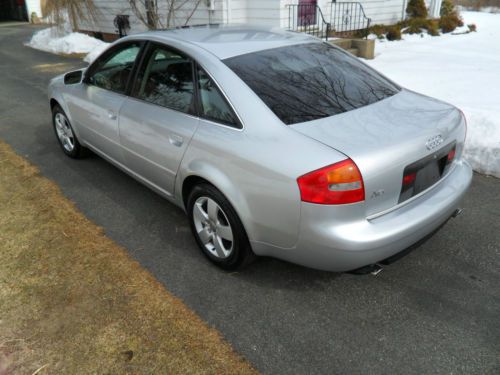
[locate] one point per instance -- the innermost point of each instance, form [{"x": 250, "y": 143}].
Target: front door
[
  {"x": 307, "y": 12},
  {"x": 94, "y": 105},
  {"x": 159, "y": 119}
]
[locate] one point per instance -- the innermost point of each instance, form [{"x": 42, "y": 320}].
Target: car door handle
[
  {"x": 111, "y": 115},
  {"x": 176, "y": 140}
]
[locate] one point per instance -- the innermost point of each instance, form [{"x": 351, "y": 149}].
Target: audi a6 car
[{"x": 274, "y": 143}]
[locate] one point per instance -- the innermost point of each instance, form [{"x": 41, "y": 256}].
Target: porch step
[
  {"x": 347, "y": 45},
  {"x": 358, "y": 47},
  {"x": 342, "y": 43},
  {"x": 352, "y": 51}
]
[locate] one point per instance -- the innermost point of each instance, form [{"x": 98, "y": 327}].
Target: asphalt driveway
[{"x": 435, "y": 311}]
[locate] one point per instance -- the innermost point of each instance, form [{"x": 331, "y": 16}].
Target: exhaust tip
[
  {"x": 377, "y": 268},
  {"x": 457, "y": 212},
  {"x": 373, "y": 269}
]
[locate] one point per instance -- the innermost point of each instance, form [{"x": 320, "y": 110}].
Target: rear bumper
[{"x": 337, "y": 241}]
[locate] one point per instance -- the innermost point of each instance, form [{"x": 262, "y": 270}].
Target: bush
[
  {"x": 415, "y": 25},
  {"x": 384, "y": 31},
  {"x": 418, "y": 25},
  {"x": 378, "y": 30},
  {"x": 393, "y": 33},
  {"x": 450, "y": 17},
  {"x": 433, "y": 28},
  {"x": 447, "y": 8},
  {"x": 450, "y": 23},
  {"x": 416, "y": 9},
  {"x": 472, "y": 27}
]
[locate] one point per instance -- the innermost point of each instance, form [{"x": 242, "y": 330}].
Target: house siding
[
  {"x": 109, "y": 9},
  {"x": 384, "y": 11},
  {"x": 238, "y": 11},
  {"x": 380, "y": 11},
  {"x": 268, "y": 12},
  {"x": 33, "y": 6}
]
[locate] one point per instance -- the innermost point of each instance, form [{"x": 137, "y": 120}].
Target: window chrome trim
[
  {"x": 164, "y": 107},
  {"x": 211, "y": 122},
  {"x": 194, "y": 117}
]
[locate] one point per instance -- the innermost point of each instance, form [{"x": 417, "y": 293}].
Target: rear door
[
  {"x": 94, "y": 105},
  {"x": 159, "y": 118}
]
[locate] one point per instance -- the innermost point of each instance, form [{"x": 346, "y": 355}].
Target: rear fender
[{"x": 221, "y": 181}]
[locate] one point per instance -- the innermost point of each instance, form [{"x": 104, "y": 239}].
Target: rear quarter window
[{"x": 310, "y": 81}]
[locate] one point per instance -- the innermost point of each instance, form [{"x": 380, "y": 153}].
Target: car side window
[
  {"x": 113, "y": 71},
  {"x": 166, "y": 78},
  {"x": 214, "y": 106}
]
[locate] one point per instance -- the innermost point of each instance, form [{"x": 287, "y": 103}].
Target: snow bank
[
  {"x": 58, "y": 40},
  {"x": 460, "y": 69},
  {"x": 92, "y": 55}
]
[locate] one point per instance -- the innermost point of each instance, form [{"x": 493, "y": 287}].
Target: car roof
[{"x": 225, "y": 41}]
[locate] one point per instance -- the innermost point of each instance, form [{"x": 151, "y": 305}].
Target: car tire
[
  {"x": 65, "y": 134},
  {"x": 218, "y": 229}
]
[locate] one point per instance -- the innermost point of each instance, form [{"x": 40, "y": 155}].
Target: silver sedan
[{"x": 274, "y": 143}]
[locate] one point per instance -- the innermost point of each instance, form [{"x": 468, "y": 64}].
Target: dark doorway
[
  {"x": 307, "y": 12},
  {"x": 13, "y": 10}
]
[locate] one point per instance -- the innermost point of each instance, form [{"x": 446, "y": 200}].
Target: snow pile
[
  {"x": 92, "y": 55},
  {"x": 62, "y": 40},
  {"x": 491, "y": 9},
  {"x": 460, "y": 69}
]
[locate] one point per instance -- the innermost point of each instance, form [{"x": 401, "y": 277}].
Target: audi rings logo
[{"x": 434, "y": 142}]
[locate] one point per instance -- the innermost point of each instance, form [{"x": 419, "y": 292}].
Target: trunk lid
[{"x": 386, "y": 137}]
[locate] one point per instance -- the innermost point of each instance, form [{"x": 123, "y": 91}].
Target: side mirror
[{"x": 72, "y": 78}]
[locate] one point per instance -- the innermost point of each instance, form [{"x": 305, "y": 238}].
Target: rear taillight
[
  {"x": 409, "y": 179},
  {"x": 451, "y": 155},
  {"x": 339, "y": 183}
]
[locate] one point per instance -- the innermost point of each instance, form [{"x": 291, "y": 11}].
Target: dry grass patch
[{"x": 73, "y": 302}]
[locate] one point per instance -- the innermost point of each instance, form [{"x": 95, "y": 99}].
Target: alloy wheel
[
  {"x": 64, "y": 132},
  {"x": 213, "y": 227}
]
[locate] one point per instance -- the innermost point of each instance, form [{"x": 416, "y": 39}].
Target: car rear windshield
[{"x": 310, "y": 81}]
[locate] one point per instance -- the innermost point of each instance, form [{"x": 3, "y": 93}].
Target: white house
[
  {"x": 34, "y": 6},
  {"x": 280, "y": 13}
]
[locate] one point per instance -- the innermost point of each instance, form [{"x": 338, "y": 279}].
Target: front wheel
[
  {"x": 65, "y": 134},
  {"x": 217, "y": 228}
]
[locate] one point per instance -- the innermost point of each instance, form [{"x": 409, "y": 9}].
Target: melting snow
[
  {"x": 463, "y": 70},
  {"x": 61, "y": 40}
]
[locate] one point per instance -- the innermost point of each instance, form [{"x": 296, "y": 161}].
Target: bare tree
[
  {"x": 159, "y": 14},
  {"x": 77, "y": 10}
]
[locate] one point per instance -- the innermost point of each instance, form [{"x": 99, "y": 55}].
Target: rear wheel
[
  {"x": 65, "y": 134},
  {"x": 217, "y": 228}
]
